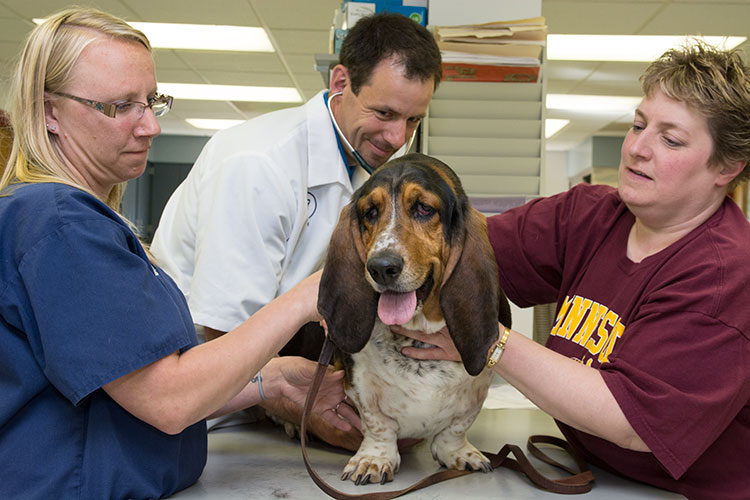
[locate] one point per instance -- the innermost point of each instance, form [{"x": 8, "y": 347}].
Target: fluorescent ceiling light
[
  {"x": 597, "y": 104},
  {"x": 210, "y": 124},
  {"x": 229, "y": 92},
  {"x": 204, "y": 37},
  {"x": 632, "y": 48},
  {"x": 553, "y": 126}
]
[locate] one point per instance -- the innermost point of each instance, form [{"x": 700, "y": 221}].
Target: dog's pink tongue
[{"x": 397, "y": 308}]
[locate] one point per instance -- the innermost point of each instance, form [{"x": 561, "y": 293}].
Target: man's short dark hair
[{"x": 378, "y": 37}]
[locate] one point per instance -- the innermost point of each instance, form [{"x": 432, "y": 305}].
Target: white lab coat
[{"x": 255, "y": 214}]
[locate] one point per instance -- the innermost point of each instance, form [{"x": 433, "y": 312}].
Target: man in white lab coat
[{"x": 256, "y": 212}]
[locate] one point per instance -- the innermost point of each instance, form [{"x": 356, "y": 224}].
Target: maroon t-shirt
[{"x": 671, "y": 334}]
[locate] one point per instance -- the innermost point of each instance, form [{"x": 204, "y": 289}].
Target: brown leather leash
[{"x": 579, "y": 481}]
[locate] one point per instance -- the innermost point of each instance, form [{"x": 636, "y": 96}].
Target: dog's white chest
[{"x": 422, "y": 397}]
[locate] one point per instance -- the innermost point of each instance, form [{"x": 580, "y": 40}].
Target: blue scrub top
[{"x": 80, "y": 306}]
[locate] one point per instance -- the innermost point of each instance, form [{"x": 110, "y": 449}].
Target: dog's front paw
[
  {"x": 466, "y": 457},
  {"x": 372, "y": 466}
]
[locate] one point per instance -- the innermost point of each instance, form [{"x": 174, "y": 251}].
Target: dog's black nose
[{"x": 385, "y": 268}]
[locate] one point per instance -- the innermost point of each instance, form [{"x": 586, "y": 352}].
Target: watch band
[{"x": 498, "y": 350}]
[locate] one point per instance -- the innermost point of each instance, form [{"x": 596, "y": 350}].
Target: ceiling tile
[
  {"x": 706, "y": 18},
  {"x": 586, "y": 17},
  {"x": 569, "y": 70},
  {"x": 6, "y": 13},
  {"x": 261, "y": 107},
  {"x": 178, "y": 75},
  {"x": 618, "y": 71},
  {"x": 15, "y": 29},
  {"x": 232, "y": 61},
  {"x": 169, "y": 59},
  {"x": 301, "y": 41},
  {"x": 296, "y": 14},
  {"x": 562, "y": 86},
  {"x": 247, "y": 78},
  {"x": 223, "y": 12},
  {"x": 44, "y": 8},
  {"x": 312, "y": 82},
  {"x": 204, "y": 109},
  {"x": 9, "y": 51},
  {"x": 302, "y": 63},
  {"x": 604, "y": 87}
]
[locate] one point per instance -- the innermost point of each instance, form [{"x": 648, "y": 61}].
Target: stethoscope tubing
[{"x": 358, "y": 157}]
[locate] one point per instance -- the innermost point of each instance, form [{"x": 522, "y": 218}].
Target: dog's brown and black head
[{"x": 409, "y": 242}]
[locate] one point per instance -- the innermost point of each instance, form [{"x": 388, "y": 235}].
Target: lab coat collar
[{"x": 325, "y": 164}]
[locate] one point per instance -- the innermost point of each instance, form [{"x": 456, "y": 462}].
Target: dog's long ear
[
  {"x": 470, "y": 297},
  {"x": 345, "y": 299}
]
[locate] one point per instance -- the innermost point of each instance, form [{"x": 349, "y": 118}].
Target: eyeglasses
[{"x": 159, "y": 103}]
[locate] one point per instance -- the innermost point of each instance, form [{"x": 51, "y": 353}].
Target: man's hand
[{"x": 440, "y": 346}]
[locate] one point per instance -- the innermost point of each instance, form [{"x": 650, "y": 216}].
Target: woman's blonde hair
[
  {"x": 716, "y": 83},
  {"x": 48, "y": 57}
]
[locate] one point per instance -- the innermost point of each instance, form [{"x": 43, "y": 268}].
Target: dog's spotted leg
[
  {"x": 453, "y": 451},
  {"x": 375, "y": 462},
  {"x": 377, "y": 459}
]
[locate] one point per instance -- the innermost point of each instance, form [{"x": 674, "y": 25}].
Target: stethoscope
[{"x": 354, "y": 152}]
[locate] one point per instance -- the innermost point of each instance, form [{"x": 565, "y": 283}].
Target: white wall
[
  {"x": 579, "y": 160},
  {"x": 555, "y": 178}
]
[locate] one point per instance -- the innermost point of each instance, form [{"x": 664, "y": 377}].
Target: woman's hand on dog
[
  {"x": 296, "y": 375},
  {"x": 439, "y": 346},
  {"x": 286, "y": 410},
  {"x": 289, "y": 379}
]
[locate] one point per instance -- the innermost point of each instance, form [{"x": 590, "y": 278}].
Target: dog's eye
[{"x": 423, "y": 211}]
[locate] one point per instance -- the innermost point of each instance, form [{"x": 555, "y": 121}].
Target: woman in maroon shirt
[{"x": 647, "y": 368}]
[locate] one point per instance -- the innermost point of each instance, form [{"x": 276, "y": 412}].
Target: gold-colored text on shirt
[{"x": 589, "y": 324}]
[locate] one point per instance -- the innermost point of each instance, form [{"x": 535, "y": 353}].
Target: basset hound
[{"x": 409, "y": 250}]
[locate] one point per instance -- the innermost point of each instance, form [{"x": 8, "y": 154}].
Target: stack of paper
[{"x": 496, "y": 51}]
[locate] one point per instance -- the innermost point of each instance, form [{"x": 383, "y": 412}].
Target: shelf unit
[{"x": 491, "y": 134}]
